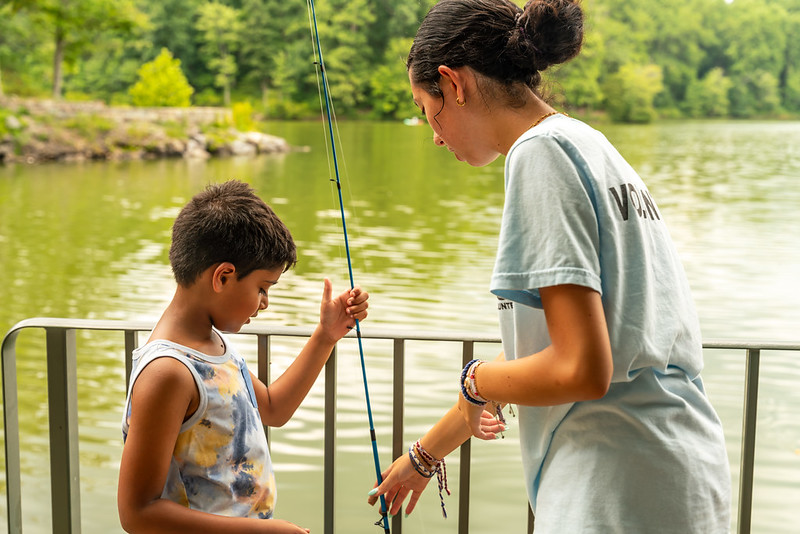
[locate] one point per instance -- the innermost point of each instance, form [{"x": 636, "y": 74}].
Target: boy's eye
[{"x": 262, "y": 291}]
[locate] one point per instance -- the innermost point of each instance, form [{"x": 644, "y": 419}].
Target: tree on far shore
[{"x": 73, "y": 25}]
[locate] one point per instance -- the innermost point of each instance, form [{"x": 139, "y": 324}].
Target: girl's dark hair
[
  {"x": 228, "y": 222},
  {"x": 496, "y": 39}
]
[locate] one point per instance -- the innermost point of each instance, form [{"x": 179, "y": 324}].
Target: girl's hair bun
[
  {"x": 497, "y": 39},
  {"x": 549, "y": 32}
]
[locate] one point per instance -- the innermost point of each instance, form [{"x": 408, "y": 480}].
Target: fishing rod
[{"x": 383, "y": 521}]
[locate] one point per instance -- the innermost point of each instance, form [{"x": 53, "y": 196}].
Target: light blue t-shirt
[{"x": 649, "y": 457}]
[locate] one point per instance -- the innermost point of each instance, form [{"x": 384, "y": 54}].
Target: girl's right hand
[{"x": 399, "y": 480}]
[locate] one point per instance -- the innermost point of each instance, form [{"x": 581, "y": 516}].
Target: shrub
[
  {"x": 243, "y": 116},
  {"x": 162, "y": 83}
]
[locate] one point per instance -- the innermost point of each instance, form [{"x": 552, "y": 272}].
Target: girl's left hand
[
  {"x": 399, "y": 481},
  {"x": 338, "y": 315}
]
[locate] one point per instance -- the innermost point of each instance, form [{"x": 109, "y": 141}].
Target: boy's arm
[
  {"x": 161, "y": 396},
  {"x": 278, "y": 402}
]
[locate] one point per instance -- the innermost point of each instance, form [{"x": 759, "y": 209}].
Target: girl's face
[{"x": 455, "y": 127}]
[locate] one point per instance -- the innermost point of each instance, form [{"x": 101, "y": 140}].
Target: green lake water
[{"x": 90, "y": 241}]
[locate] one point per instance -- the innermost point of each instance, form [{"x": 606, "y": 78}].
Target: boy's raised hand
[{"x": 337, "y": 316}]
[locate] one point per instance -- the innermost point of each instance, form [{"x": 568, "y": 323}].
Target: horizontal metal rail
[{"x": 63, "y": 411}]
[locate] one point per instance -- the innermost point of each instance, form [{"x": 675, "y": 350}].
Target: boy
[{"x": 195, "y": 456}]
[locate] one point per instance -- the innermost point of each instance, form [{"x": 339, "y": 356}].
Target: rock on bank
[{"x": 33, "y": 130}]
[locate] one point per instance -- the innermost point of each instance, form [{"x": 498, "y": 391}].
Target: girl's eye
[{"x": 262, "y": 291}]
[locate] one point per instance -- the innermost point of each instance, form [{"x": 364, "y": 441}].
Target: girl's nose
[{"x": 438, "y": 141}]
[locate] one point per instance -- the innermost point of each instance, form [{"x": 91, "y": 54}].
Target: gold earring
[{"x": 461, "y": 103}]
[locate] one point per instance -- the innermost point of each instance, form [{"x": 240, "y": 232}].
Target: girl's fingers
[{"x": 412, "y": 502}]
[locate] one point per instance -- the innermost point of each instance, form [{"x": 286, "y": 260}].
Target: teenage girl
[{"x": 601, "y": 341}]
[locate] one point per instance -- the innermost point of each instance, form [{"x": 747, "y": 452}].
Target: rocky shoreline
[{"x": 35, "y": 131}]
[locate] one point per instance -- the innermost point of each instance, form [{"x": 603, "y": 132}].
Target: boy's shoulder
[{"x": 157, "y": 348}]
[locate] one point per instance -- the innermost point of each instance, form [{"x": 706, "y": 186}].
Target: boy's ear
[{"x": 222, "y": 275}]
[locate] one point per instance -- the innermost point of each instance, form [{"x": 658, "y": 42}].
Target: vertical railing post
[
  {"x": 131, "y": 344},
  {"x": 398, "y": 411},
  {"x": 264, "y": 352},
  {"x": 468, "y": 349},
  {"x": 329, "y": 502},
  {"x": 531, "y": 519},
  {"x": 11, "y": 434},
  {"x": 62, "y": 395},
  {"x": 748, "y": 440}
]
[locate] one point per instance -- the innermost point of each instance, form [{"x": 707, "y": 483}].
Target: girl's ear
[
  {"x": 453, "y": 80},
  {"x": 222, "y": 275}
]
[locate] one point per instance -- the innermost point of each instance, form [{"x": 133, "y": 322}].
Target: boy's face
[{"x": 244, "y": 298}]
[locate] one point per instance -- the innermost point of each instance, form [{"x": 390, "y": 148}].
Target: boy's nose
[{"x": 438, "y": 141}]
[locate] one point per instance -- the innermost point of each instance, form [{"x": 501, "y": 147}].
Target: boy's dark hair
[{"x": 228, "y": 222}]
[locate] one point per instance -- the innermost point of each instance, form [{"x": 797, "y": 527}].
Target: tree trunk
[
  {"x": 1, "y": 82},
  {"x": 58, "y": 59},
  {"x": 226, "y": 95},
  {"x": 264, "y": 97}
]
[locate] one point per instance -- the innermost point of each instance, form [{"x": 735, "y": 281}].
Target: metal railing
[{"x": 63, "y": 412}]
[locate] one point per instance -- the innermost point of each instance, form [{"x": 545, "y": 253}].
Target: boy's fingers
[{"x": 327, "y": 290}]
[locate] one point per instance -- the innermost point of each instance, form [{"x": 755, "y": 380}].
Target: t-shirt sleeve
[{"x": 549, "y": 233}]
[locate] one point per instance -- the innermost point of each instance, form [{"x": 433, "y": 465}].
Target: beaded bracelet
[
  {"x": 471, "y": 384},
  {"x": 418, "y": 467},
  {"x": 438, "y": 468},
  {"x": 468, "y": 388}
]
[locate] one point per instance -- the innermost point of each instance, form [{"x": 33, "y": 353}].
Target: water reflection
[{"x": 90, "y": 240}]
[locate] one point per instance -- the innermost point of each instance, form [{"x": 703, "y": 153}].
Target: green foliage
[
  {"x": 220, "y": 28},
  {"x": 243, "y": 116},
  {"x": 709, "y": 97},
  {"x": 631, "y": 91},
  {"x": 162, "y": 83},
  {"x": 579, "y": 79},
  {"x": 74, "y": 27},
  {"x": 715, "y": 58},
  {"x": 89, "y": 126},
  {"x": 270, "y": 27},
  {"x": 754, "y": 94},
  {"x": 174, "y": 27},
  {"x": 389, "y": 84},
  {"x": 343, "y": 28}
]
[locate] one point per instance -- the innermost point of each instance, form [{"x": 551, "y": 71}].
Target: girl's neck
[{"x": 511, "y": 123}]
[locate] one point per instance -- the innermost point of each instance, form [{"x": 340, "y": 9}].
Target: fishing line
[
  {"x": 383, "y": 521},
  {"x": 338, "y": 136}
]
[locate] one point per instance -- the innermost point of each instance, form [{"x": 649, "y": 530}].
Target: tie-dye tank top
[{"x": 221, "y": 462}]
